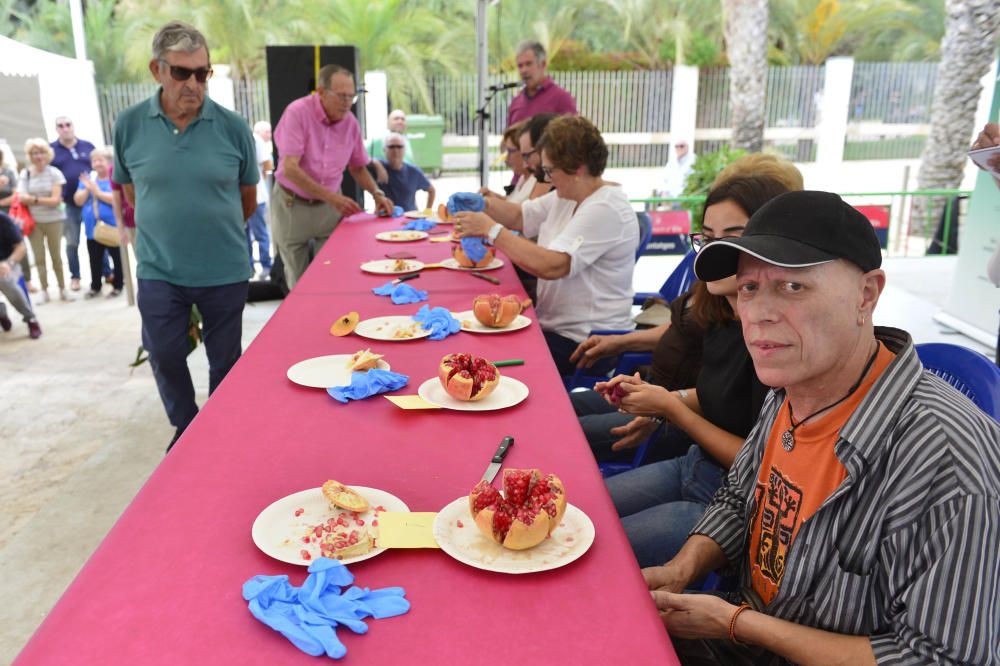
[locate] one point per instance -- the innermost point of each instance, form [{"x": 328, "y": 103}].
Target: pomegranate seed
[
  {"x": 299, "y": 512},
  {"x": 305, "y": 554},
  {"x": 375, "y": 523},
  {"x": 459, "y": 523},
  {"x": 359, "y": 522}
]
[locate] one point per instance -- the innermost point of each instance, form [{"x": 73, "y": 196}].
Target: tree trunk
[
  {"x": 967, "y": 51},
  {"x": 746, "y": 48}
]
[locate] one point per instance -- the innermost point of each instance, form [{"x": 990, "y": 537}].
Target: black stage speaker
[{"x": 291, "y": 73}]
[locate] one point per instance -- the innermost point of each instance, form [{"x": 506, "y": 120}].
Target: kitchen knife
[
  {"x": 488, "y": 278},
  {"x": 497, "y": 461}
]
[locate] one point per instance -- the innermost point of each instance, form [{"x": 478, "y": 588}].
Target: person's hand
[
  {"x": 694, "y": 616},
  {"x": 665, "y": 578},
  {"x": 87, "y": 182},
  {"x": 595, "y": 347},
  {"x": 122, "y": 235},
  {"x": 346, "y": 206},
  {"x": 489, "y": 194},
  {"x": 472, "y": 224},
  {"x": 470, "y": 201},
  {"x": 4, "y": 268},
  {"x": 381, "y": 175},
  {"x": 989, "y": 138},
  {"x": 608, "y": 389},
  {"x": 383, "y": 205},
  {"x": 648, "y": 400},
  {"x": 633, "y": 433}
]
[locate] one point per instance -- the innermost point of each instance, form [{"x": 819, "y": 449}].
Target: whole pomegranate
[
  {"x": 529, "y": 509},
  {"x": 463, "y": 259},
  {"x": 467, "y": 377},
  {"x": 498, "y": 311}
]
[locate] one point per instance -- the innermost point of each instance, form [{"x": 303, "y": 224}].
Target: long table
[{"x": 164, "y": 587}]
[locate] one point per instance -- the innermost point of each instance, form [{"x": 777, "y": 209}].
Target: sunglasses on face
[
  {"x": 62, "y": 125},
  {"x": 394, "y": 147},
  {"x": 178, "y": 73}
]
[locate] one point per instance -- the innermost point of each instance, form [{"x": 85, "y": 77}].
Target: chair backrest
[
  {"x": 681, "y": 279},
  {"x": 645, "y": 233},
  {"x": 974, "y": 375}
]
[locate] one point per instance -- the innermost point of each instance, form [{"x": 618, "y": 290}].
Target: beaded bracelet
[{"x": 732, "y": 622}]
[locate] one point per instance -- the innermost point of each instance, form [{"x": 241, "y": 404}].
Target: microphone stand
[{"x": 481, "y": 117}]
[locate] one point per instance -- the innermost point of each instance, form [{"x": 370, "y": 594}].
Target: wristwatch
[{"x": 494, "y": 231}]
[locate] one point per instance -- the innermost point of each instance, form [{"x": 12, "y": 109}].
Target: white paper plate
[
  {"x": 384, "y": 328},
  {"x": 421, "y": 215},
  {"x": 387, "y": 266},
  {"x": 472, "y": 325},
  {"x": 402, "y": 236},
  {"x": 567, "y": 543},
  {"x": 508, "y": 393},
  {"x": 326, "y": 371},
  {"x": 452, "y": 264},
  {"x": 278, "y": 532}
]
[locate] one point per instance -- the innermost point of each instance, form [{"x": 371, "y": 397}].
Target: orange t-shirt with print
[{"x": 792, "y": 485}]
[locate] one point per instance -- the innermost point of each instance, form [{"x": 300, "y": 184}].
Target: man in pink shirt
[
  {"x": 540, "y": 93},
  {"x": 317, "y": 138}
]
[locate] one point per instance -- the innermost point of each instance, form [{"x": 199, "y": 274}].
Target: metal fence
[
  {"x": 116, "y": 98},
  {"x": 251, "y": 100}
]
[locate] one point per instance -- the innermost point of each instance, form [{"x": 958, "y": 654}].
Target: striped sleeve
[{"x": 945, "y": 593}]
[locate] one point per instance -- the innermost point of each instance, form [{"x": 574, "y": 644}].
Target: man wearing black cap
[{"x": 862, "y": 516}]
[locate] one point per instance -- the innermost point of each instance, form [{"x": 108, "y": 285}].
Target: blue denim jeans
[
  {"x": 659, "y": 503},
  {"x": 257, "y": 231},
  {"x": 598, "y": 417},
  {"x": 71, "y": 232},
  {"x": 166, "y": 309}
]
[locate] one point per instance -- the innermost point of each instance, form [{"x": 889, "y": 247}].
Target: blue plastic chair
[
  {"x": 645, "y": 233},
  {"x": 974, "y": 375},
  {"x": 677, "y": 283},
  {"x": 612, "y": 468}
]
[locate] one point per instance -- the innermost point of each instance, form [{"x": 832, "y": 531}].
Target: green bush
[{"x": 706, "y": 167}]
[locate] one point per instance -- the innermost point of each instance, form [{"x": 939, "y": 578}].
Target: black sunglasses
[
  {"x": 395, "y": 147},
  {"x": 178, "y": 73}
]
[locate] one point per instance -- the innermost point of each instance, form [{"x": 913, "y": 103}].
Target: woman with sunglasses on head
[
  {"x": 659, "y": 503},
  {"x": 40, "y": 188},
  {"x": 587, "y": 238}
]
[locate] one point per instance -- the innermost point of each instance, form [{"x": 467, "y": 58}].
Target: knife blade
[
  {"x": 497, "y": 461},
  {"x": 404, "y": 278}
]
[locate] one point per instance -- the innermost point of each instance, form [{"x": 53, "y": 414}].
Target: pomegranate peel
[
  {"x": 464, "y": 261},
  {"x": 496, "y": 311},
  {"x": 466, "y": 377},
  {"x": 529, "y": 509},
  {"x": 345, "y": 497},
  {"x": 345, "y": 325}
]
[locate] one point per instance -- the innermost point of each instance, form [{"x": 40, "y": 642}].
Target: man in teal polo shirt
[{"x": 190, "y": 168}]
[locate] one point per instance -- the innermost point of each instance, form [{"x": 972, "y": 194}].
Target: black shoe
[
  {"x": 5, "y": 322},
  {"x": 34, "y": 330},
  {"x": 177, "y": 435}
]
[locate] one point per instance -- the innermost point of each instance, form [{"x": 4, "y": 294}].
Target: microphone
[{"x": 505, "y": 86}]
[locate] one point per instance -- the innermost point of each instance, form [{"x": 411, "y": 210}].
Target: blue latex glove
[
  {"x": 308, "y": 616},
  {"x": 401, "y": 293},
  {"x": 438, "y": 321},
  {"x": 470, "y": 201},
  {"x": 366, "y": 384},
  {"x": 397, "y": 211},
  {"x": 474, "y": 248},
  {"x": 419, "y": 225}
]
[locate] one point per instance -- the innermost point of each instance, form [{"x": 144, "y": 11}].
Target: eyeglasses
[
  {"x": 547, "y": 170},
  {"x": 525, "y": 156},
  {"x": 395, "y": 147},
  {"x": 61, "y": 125},
  {"x": 178, "y": 73},
  {"x": 351, "y": 99},
  {"x": 700, "y": 240}
]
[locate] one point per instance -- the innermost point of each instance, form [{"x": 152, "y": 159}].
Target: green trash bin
[{"x": 425, "y": 134}]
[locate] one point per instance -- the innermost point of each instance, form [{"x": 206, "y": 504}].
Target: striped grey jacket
[{"x": 907, "y": 549}]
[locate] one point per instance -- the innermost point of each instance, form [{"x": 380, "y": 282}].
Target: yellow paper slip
[
  {"x": 398, "y": 529},
  {"x": 410, "y": 402}
]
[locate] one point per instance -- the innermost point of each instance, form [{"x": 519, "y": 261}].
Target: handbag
[
  {"x": 22, "y": 216},
  {"x": 104, "y": 233}
]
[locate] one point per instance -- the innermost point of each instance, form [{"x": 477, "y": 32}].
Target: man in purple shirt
[
  {"x": 540, "y": 93},
  {"x": 317, "y": 138},
  {"x": 72, "y": 157}
]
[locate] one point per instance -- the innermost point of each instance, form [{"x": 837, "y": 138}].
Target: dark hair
[
  {"x": 571, "y": 142},
  {"x": 750, "y": 193},
  {"x": 535, "y": 127}
]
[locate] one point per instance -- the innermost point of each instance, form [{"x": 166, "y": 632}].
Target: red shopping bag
[{"x": 22, "y": 216}]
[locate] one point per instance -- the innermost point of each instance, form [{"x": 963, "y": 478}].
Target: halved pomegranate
[
  {"x": 463, "y": 259},
  {"x": 467, "y": 377},
  {"x": 530, "y": 508},
  {"x": 498, "y": 311}
]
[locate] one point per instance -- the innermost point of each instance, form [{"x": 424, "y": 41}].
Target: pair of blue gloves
[
  {"x": 400, "y": 293},
  {"x": 309, "y": 615},
  {"x": 421, "y": 224},
  {"x": 397, "y": 211},
  {"x": 438, "y": 321},
  {"x": 474, "y": 248},
  {"x": 366, "y": 384}
]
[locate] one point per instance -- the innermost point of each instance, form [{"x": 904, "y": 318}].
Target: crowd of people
[{"x": 850, "y": 497}]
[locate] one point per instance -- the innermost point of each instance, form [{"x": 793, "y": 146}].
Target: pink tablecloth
[{"x": 164, "y": 586}]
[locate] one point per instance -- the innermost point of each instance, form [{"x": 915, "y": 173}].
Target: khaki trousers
[
  {"x": 51, "y": 234},
  {"x": 294, "y": 224}
]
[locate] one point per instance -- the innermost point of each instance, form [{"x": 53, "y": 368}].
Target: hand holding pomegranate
[
  {"x": 612, "y": 390},
  {"x": 649, "y": 400},
  {"x": 694, "y": 616},
  {"x": 472, "y": 224},
  {"x": 633, "y": 433},
  {"x": 596, "y": 347}
]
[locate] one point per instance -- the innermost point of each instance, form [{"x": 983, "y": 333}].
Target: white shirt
[
  {"x": 601, "y": 238},
  {"x": 675, "y": 175},
  {"x": 522, "y": 190},
  {"x": 263, "y": 155}
]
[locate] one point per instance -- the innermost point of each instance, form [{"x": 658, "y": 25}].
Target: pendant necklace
[{"x": 788, "y": 437}]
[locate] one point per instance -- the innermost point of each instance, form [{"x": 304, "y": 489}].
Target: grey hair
[
  {"x": 177, "y": 36},
  {"x": 394, "y": 135},
  {"x": 531, "y": 45},
  {"x": 327, "y": 72},
  {"x": 261, "y": 125}
]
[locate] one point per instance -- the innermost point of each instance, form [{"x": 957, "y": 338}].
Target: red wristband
[{"x": 732, "y": 622}]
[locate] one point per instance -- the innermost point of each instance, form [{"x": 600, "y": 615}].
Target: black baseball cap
[{"x": 796, "y": 230}]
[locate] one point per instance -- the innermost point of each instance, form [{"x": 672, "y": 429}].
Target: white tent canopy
[{"x": 65, "y": 88}]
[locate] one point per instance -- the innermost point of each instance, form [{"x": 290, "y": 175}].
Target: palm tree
[
  {"x": 553, "y": 25},
  {"x": 649, "y": 27},
  {"x": 967, "y": 51},
  {"x": 746, "y": 47}
]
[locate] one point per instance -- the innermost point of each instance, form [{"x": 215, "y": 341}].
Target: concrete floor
[{"x": 81, "y": 431}]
